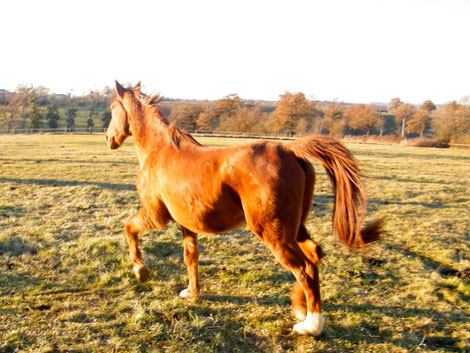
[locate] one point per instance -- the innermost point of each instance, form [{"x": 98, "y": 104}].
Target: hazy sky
[{"x": 353, "y": 51}]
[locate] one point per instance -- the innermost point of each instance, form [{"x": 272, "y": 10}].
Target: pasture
[{"x": 67, "y": 285}]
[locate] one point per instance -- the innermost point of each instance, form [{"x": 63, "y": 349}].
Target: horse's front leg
[
  {"x": 191, "y": 258},
  {"x": 134, "y": 226}
]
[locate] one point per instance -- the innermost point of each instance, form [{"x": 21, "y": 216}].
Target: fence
[
  {"x": 459, "y": 145},
  {"x": 232, "y": 134},
  {"x": 84, "y": 130},
  {"x": 65, "y": 130}
]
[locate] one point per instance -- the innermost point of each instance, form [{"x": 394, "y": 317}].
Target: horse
[{"x": 267, "y": 185}]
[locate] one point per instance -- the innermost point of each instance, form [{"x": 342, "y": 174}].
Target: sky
[{"x": 357, "y": 51}]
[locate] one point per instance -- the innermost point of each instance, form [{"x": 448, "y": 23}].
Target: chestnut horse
[{"x": 267, "y": 185}]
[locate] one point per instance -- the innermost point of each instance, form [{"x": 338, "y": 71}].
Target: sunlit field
[{"x": 67, "y": 285}]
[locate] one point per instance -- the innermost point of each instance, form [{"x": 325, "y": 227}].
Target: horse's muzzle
[{"x": 112, "y": 145}]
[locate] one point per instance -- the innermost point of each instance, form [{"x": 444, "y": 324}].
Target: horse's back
[{"x": 267, "y": 165}]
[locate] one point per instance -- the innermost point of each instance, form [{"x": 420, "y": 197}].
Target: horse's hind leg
[
  {"x": 133, "y": 227},
  {"x": 308, "y": 246},
  {"x": 305, "y": 271},
  {"x": 191, "y": 258},
  {"x": 314, "y": 253},
  {"x": 311, "y": 249}
]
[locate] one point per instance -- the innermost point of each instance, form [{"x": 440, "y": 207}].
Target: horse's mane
[
  {"x": 151, "y": 101},
  {"x": 176, "y": 135}
]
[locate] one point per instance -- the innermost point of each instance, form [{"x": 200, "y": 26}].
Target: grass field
[{"x": 66, "y": 283}]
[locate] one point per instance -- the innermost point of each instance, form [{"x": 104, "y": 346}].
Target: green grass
[{"x": 66, "y": 283}]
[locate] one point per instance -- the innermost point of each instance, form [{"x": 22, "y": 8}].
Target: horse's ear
[
  {"x": 119, "y": 90},
  {"x": 138, "y": 86}
]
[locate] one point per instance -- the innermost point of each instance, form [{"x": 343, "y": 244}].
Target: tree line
[
  {"x": 292, "y": 114},
  {"x": 37, "y": 108}
]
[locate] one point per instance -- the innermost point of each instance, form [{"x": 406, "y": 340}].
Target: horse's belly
[
  {"x": 213, "y": 224},
  {"x": 207, "y": 218}
]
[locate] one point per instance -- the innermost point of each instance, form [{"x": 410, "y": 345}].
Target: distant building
[{"x": 60, "y": 97}]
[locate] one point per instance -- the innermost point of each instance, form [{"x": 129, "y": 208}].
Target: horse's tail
[{"x": 350, "y": 200}]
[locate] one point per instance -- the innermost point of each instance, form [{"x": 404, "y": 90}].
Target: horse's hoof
[
  {"x": 312, "y": 325},
  {"x": 141, "y": 273},
  {"x": 187, "y": 293}
]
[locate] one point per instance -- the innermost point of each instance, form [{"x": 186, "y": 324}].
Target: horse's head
[{"x": 119, "y": 126}]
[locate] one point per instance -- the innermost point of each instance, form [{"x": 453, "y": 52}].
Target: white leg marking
[
  {"x": 299, "y": 315},
  {"x": 312, "y": 325},
  {"x": 184, "y": 293}
]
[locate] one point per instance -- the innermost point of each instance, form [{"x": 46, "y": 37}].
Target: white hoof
[
  {"x": 184, "y": 293},
  {"x": 312, "y": 325}
]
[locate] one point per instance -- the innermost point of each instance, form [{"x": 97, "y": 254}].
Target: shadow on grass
[
  {"x": 427, "y": 261},
  {"x": 12, "y": 282},
  {"x": 77, "y": 161},
  {"x": 373, "y": 334},
  {"x": 7, "y": 211},
  {"x": 204, "y": 327},
  {"x": 344, "y": 335},
  {"x": 234, "y": 299},
  {"x": 16, "y": 247},
  {"x": 224, "y": 335},
  {"x": 55, "y": 182},
  {"x": 412, "y": 203},
  {"x": 164, "y": 248},
  {"x": 399, "y": 154},
  {"x": 394, "y": 179}
]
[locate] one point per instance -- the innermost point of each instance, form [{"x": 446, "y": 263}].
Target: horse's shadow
[{"x": 57, "y": 182}]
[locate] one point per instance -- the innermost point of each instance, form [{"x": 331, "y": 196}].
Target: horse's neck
[
  {"x": 142, "y": 154},
  {"x": 151, "y": 135}
]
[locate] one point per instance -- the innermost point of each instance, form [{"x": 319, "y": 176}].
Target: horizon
[
  {"x": 361, "y": 52},
  {"x": 463, "y": 100}
]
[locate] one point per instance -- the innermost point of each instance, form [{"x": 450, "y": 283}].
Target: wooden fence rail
[{"x": 84, "y": 130}]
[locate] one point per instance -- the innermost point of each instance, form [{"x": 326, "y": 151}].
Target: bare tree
[{"x": 15, "y": 112}]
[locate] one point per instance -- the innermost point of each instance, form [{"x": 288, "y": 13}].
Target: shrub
[{"x": 427, "y": 142}]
